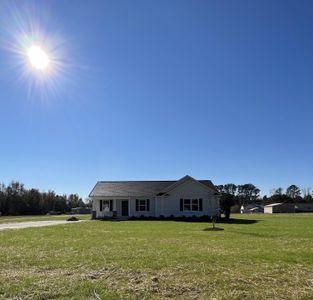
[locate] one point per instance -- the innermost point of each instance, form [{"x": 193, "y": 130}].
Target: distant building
[
  {"x": 80, "y": 210},
  {"x": 304, "y": 207},
  {"x": 252, "y": 208},
  {"x": 279, "y": 208}
]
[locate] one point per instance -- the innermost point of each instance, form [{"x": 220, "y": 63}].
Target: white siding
[{"x": 170, "y": 205}]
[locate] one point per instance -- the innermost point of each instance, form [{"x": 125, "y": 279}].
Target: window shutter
[
  {"x": 137, "y": 205},
  {"x": 100, "y": 205},
  {"x": 148, "y": 204},
  {"x": 181, "y": 204},
  {"x": 111, "y": 205},
  {"x": 200, "y": 204}
]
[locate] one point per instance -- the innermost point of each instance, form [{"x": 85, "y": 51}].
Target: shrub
[
  {"x": 72, "y": 219},
  {"x": 235, "y": 208}
]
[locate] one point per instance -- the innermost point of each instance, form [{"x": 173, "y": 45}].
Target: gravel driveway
[{"x": 32, "y": 224}]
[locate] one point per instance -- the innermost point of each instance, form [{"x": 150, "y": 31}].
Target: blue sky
[{"x": 157, "y": 90}]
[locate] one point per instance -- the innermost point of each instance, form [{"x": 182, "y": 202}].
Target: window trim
[
  {"x": 105, "y": 202},
  {"x": 191, "y": 203},
  {"x": 143, "y": 205}
]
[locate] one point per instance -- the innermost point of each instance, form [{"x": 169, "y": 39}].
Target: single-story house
[
  {"x": 184, "y": 197},
  {"x": 279, "y": 208}
]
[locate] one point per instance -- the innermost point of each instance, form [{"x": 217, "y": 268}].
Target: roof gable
[{"x": 207, "y": 184}]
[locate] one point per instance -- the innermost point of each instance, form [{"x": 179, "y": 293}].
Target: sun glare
[
  {"x": 37, "y": 51},
  {"x": 38, "y": 57}
]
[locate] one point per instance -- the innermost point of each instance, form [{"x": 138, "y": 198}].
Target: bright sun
[{"x": 38, "y": 57}]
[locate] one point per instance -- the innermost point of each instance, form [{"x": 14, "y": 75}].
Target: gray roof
[
  {"x": 280, "y": 203},
  {"x": 273, "y": 204},
  {"x": 134, "y": 188}
]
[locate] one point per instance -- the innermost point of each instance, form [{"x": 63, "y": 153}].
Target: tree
[
  {"x": 293, "y": 192},
  {"x": 220, "y": 188},
  {"x": 247, "y": 193},
  {"x": 230, "y": 188},
  {"x": 88, "y": 202},
  {"x": 16, "y": 200},
  {"x": 279, "y": 198},
  {"x": 278, "y": 191},
  {"x": 33, "y": 198},
  {"x": 75, "y": 201},
  {"x": 307, "y": 192},
  {"x": 308, "y": 199},
  {"x": 2, "y": 198},
  {"x": 226, "y": 202}
]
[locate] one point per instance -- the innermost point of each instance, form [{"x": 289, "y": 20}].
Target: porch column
[{"x": 114, "y": 204}]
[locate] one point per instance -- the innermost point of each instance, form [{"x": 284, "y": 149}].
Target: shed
[{"x": 279, "y": 208}]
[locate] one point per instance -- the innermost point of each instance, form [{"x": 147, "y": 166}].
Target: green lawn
[{"x": 255, "y": 257}]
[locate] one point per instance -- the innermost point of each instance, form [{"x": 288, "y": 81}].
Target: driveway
[{"x": 32, "y": 224}]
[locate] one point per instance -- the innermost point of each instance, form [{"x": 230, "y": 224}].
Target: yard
[{"x": 255, "y": 257}]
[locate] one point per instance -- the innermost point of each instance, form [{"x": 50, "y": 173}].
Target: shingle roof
[
  {"x": 134, "y": 188},
  {"x": 281, "y": 203}
]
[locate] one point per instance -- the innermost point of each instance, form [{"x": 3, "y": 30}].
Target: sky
[{"x": 153, "y": 90}]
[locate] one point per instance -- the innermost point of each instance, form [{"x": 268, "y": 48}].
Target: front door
[{"x": 124, "y": 208}]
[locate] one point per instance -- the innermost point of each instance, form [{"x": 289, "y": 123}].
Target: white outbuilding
[{"x": 279, "y": 208}]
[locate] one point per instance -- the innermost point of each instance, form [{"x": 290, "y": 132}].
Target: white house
[{"x": 184, "y": 197}]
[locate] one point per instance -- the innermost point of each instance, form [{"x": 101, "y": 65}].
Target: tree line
[
  {"x": 15, "y": 199},
  {"x": 234, "y": 196}
]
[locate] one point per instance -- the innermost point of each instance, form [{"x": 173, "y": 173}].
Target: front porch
[{"x": 111, "y": 208}]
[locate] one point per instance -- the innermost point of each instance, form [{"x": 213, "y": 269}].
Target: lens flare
[
  {"x": 37, "y": 51},
  {"x": 38, "y": 57}
]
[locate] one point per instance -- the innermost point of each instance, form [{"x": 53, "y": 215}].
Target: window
[
  {"x": 187, "y": 204},
  {"x": 195, "y": 205},
  {"x": 106, "y": 205},
  {"x": 191, "y": 204},
  {"x": 142, "y": 205}
]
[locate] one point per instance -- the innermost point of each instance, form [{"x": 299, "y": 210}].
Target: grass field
[{"x": 255, "y": 257}]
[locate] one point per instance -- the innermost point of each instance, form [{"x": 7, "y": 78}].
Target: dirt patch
[{"x": 22, "y": 225}]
